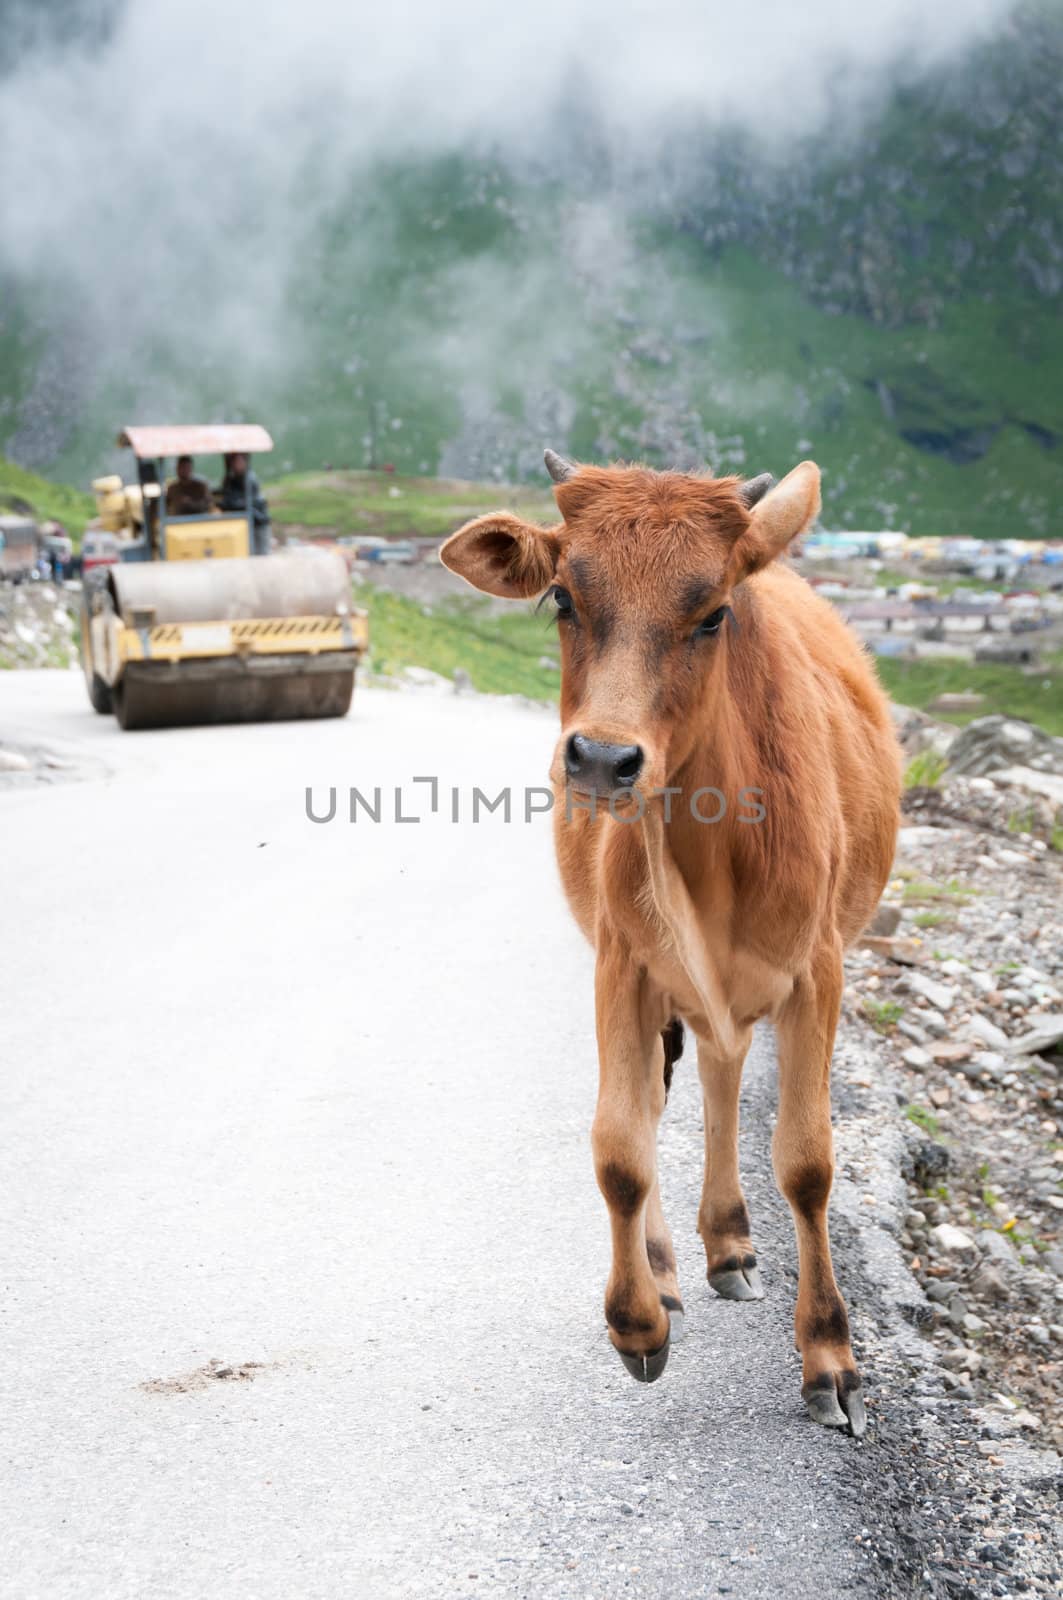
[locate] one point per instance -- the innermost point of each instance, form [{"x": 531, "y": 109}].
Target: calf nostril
[
  {"x": 628, "y": 765},
  {"x": 573, "y": 755}
]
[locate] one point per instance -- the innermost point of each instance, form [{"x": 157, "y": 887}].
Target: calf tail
[{"x": 672, "y": 1039}]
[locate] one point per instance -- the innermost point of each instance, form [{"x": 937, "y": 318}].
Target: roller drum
[
  {"x": 224, "y": 589},
  {"x": 228, "y": 689}
]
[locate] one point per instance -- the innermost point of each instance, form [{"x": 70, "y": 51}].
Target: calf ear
[
  {"x": 784, "y": 513},
  {"x": 502, "y": 555}
]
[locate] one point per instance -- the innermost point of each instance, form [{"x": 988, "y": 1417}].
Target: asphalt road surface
[{"x": 317, "y": 1096}]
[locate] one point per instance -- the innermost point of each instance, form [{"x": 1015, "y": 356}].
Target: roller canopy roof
[{"x": 200, "y": 439}]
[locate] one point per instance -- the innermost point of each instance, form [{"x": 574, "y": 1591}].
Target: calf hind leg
[
  {"x": 658, "y": 1237},
  {"x": 804, "y": 1167},
  {"x": 723, "y": 1220}
]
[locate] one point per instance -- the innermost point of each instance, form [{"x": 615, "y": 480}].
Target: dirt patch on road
[
  {"x": 26, "y": 766},
  {"x": 204, "y": 1377}
]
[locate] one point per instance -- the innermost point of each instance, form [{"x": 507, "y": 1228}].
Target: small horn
[
  {"x": 558, "y": 468},
  {"x": 755, "y": 489}
]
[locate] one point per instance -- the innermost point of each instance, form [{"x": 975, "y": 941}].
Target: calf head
[{"x": 640, "y": 573}]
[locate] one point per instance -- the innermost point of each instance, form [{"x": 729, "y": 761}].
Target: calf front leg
[
  {"x": 631, "y": 1096},
  {"x": 803, "y": 1151},
  {"x": 723, "y": 1220}
]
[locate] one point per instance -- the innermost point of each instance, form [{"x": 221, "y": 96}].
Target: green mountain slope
[
  {"x": 26, "y": 492},
  {"x": 888, "y": 303}
]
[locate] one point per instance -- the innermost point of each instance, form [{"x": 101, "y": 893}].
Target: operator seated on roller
[
  {"x": 187, "y": 495},
  {"x": 241, "y": 489}
]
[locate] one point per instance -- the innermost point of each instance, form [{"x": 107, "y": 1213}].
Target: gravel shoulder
[{"x": 957, "y": 990}]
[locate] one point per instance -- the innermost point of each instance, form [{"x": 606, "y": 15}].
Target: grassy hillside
[
  {"x": 395, "y": 507},
  {"x": 1036, "y": 697},
  {"x": 503, "y": 653},
  {"x": 23, "y": 491},
  {"x": 888, "y": 302}
]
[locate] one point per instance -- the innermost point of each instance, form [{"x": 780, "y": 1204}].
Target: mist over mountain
[{"x": 441, "y": 241}]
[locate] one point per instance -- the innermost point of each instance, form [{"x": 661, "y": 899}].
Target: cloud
[{"x": 172, "y": 174}]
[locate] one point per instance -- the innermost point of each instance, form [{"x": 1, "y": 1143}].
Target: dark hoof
[
  {"x": 837, "y": 1402},
  {"x": 647, "y": 1369},
  {"x": 823, "y": 1407},
  {"x": 854, "y": 1405},
  {"x": 738, "y": 1280},
  {"x": 676, "y": 1317}
]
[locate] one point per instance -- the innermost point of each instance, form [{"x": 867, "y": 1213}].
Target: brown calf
[{"x": 700, "y": 674}]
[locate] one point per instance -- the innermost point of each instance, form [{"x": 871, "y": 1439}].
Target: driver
[
  {"x": 187, "y": 495},
  {"x": 240, "y": 490}
]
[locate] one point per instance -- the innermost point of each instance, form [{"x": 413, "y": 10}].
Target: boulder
[
  {"x": 996, "y": 1247},
  {"x": 950, "y": 1052},
  {"x": 1049, "y": 785},
  {"x": 954, "y": 1241},
  {"x": 885, "y": 921},
  {"x": 986, "y": 1032},
  {"x": 1011, "y": 651},
  {"x": 1045, "y": 1032},
  {"x": 915, "y": 730},
  {"x": 940, "y": 996},
  {"x": 906, "y": 952},
  {"x": 963, "y": 700},
  {"x": 990, "y": 744}
]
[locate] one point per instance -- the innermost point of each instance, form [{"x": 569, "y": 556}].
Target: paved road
[{"x": 318, "y": 1097}]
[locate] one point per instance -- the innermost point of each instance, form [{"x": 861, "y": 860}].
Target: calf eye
[
  {"x": 563, "y": 601},
  {"x": 711, "y": 624}
]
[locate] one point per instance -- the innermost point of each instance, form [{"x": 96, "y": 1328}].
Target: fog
[{"x": 165, "y": 171}]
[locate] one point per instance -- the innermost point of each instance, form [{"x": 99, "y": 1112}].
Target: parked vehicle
[
  {"x": 387, "y": 550},
  {"x": 20, "y": 548},
  {"x": 99, "y": 550}
]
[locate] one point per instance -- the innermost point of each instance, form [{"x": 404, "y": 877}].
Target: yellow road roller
[{"x": 195, "y": 621}]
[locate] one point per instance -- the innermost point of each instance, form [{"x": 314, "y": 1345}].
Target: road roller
[{"x": 195, "y": 620}]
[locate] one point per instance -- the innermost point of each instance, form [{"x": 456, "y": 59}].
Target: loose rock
[{"x": 952, "y": 1239}]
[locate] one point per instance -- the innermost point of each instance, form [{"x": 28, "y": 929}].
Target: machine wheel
[
  {"x": 133, "y": 705},
  {"x": 277, "y": 688},
  {"x": 100, "y": 696},
  {"x": 342, "y": 693}
]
